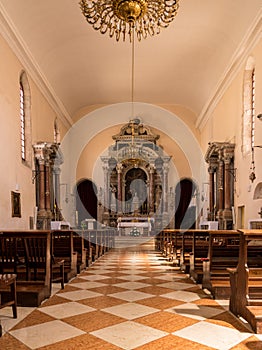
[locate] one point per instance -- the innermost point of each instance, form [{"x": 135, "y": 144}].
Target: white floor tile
[
  {"x": 45, "y": 333},
  {"x": 131, "y": 285},
  {"x": 6, "y": 317},
  {"x": 218, "y": 337},
  {"x": 130, "y": 311},
  {"x": 129, "y": 335},
  {"x": 176, "y": 285},
  {"x": 133, "y": 277},
  {"x": 98, "y": 270},
  {"x": 93, "y": 277},
  {"x": 131, "y": 295},
  {"x": 79, "y": 295},
  {"x": 66, "y": 310},
  {"x": 88, "y": 285},
  {"x": 133, "y": 271},
  {"x": 181, "y": 295},
  {"x": 169, "y": 277}
]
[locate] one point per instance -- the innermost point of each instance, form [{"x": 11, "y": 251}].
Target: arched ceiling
[{"x": 187, "y": 64}]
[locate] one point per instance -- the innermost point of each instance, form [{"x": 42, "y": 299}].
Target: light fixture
[{"x": 145, "y": 17}]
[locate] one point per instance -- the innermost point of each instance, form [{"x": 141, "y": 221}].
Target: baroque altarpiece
[{"x": 135, "y": 178}]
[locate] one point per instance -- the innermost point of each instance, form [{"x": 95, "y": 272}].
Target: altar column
[
  {"x": 41, "y": 179},
  {"x": 106, "y": 184},
  {"x": 42, "y": 152},
  {"x": 151, "y": 189},
  {"x": 228, "y": 188},
  {"x": 57, "y": 172},
  {"x": 119, "y": 168},
  {"x": 165, "y": 187},
  {"x": 220, "y": 190},
  {"x": 212, "y": 212},
  {"x": 47, "y": 188}
]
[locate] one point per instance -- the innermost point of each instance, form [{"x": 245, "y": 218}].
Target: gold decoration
[{"x": 143, "y": 17}]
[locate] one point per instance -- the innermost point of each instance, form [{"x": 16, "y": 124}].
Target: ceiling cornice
[
  {"x": 240, "y": 55},
  {"x": 16, "y": 43}
]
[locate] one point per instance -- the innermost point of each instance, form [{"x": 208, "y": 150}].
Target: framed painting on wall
[{"x": 16, "y": 204}]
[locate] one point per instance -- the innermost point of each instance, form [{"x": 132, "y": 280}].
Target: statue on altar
[{"x": 135, "y": 203}]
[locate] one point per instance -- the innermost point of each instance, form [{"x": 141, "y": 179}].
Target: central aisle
[{"x": 130, "y": 299}]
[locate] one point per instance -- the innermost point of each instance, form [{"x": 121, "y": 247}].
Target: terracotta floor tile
[
  {"x": 155, "y": 290},
  {"x": 53, "y": 301},
  {"x": 36, "y": 317},
  {"x": 251, "y": 343},
  {"x": 68, "y": 288},
  {"x": 226, "y": 319},
  {"x": 102, "y": 302},
  {"x": 82, "y": 342},
  {"x": 171, "y": 342},
  {"x": 7, "y": 342},
  {"x": 77, "y": 280},
  {"x": 112, "y": 280},
  {"x": 94, "y": 320},
  {"x": 160, "y": 302},
  {"x": 166, "y": 321},
  {"x": 108, "y": 289},
  {"x": 207, "y": 302},
  {"x": 152, "y": 280}
]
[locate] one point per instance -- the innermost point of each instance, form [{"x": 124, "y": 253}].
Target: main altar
[
  {"x": 136, "y": 192},
  {"x": 135, "y": 226}
]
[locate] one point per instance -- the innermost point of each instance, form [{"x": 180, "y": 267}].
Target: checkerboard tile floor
[{"x": 129, "y": 299}]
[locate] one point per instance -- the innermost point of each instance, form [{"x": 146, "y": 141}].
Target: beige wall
[
  {"x": 225, "y": 124},
  {"x": 15, "y": 175},
  {"x": 100, "y": 142},
  {"x": 90, "y": 156}
]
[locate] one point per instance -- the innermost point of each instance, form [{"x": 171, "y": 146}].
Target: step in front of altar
[{"x": 129, "y": 241}]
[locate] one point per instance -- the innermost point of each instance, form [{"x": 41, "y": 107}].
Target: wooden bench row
[
  {"x": 40, "y": 257},
  {"x": 246, "y": 280},
  {"x": 228, "y": 263}
]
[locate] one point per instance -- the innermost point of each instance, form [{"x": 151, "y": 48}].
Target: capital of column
[
  {"x": 151, "y": 169},
  {"x": 227, "y": 158},
  {"x": 39, "y": 151},
  {"x": 119, "y": 167},
  {"x": 212, "y": 168},
  {"x": 166, "y": 167}
]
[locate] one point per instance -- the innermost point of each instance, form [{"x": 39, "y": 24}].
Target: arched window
[
  {"x": 25, "y": 120},
  {"x": 248, "y": 122}
]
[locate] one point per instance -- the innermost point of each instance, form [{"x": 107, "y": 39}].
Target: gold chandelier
[{"x": 126, "y": 17}]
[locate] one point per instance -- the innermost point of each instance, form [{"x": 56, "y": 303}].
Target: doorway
[{"x": 86, "y": 200}]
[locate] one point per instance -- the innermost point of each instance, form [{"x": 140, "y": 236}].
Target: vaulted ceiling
[{"x": 187, "y": 64}]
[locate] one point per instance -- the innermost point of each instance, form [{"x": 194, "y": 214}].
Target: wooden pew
[
  {"x": 79, "y": 248},
  {"x": 29, "y": 292},
  {"x": 200, "y": 245},
  {"x": 63, "y": 248},
  {"x": 165, "y": 243},
  {"x": 185, "y": 248},
  {"x": 223, "y": 253},
  {"x": 97, "y": 242},
  {"x": 246, "y": 280}
]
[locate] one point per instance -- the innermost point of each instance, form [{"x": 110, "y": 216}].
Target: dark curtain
[
  {"x": 86, "y": 200},
  {"x": 184, "y": 215}
]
